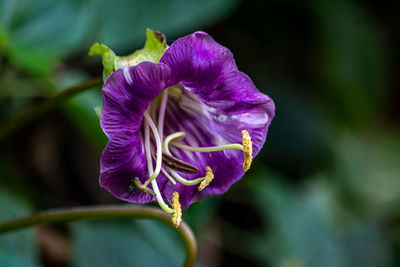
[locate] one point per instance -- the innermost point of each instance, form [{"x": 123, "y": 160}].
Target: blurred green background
[{"x": 325, "y": 189}]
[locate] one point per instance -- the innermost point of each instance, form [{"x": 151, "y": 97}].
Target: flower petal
[
  {"x": 198, "y": 60},
  {"x": 126, "y": 95},
  {"x": 122, "y": 161},
  {"x": 128, "y": 92},
  {"x": 216, "y": 104}
]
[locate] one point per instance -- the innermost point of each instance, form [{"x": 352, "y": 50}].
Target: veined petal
[
  {"x": 198, "y": 61},
  {"x": 123, "y": 159},
  {"x": 128, "y": 92},
  {"x": 126, "y": 95}
]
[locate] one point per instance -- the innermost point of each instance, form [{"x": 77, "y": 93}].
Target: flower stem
[
  {"x": 106, "y": 212},
  {"x": 49, "y": 103}
]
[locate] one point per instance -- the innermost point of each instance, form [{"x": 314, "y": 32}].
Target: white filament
[{"x": 154, "y": 185}]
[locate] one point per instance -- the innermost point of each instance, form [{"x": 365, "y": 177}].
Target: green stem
[
  {"x": 49, "y": 103},
  {"x": 107, "y": 212}
]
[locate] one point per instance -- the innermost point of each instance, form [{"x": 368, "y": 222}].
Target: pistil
[{"x": 178, "y": 165}]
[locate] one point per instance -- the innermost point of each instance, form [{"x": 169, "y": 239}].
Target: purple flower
[{"x": 180, "y": 129}]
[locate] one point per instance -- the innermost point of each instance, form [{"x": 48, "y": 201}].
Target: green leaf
[
  {"x": 35, "y": 34},
  {"x": 121, "y": 243},
  {"x": 38, "y": 33}
]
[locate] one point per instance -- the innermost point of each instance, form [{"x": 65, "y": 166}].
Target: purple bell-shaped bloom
[{"x": 181, "y": 129}]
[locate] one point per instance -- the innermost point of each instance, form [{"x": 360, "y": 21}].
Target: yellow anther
[
  {"x": 207, "y": 180},
  {"x": 247, "y": 149},
  {"x": 177, "y": 215},
  {"x": 142, "y": 187}
]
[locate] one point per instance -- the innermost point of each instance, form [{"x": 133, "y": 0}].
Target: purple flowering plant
[{"x": 183, "y": 122}]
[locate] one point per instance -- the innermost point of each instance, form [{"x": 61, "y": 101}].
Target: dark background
[{"x": 325, "y": 189}]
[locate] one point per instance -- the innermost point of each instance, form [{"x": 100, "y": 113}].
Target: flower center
[{"x": 162, "y": 155}]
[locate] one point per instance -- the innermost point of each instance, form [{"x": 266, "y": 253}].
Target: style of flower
[{"x": 182, "y": 129}]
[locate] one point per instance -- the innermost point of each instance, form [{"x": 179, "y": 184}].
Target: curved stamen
[
  {"x": 154, "y": 185},
  {"x": 168, "y": 176},
  {"x": 246, "y": 147},
  {"x": 150, "y": 122},
  {"x": 180, "y": 135},
  {"x": 183, "y": 180},
  {"x": 159, "y": 198},
  {"x": 210, "y": 148},
  {"x": 174, "y": 136},
  {"x": 179, "y": 178}
]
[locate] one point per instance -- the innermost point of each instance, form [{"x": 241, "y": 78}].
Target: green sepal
[
  {"x": 154, "y": 48},
  {"x": 107, "y": 55}
]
